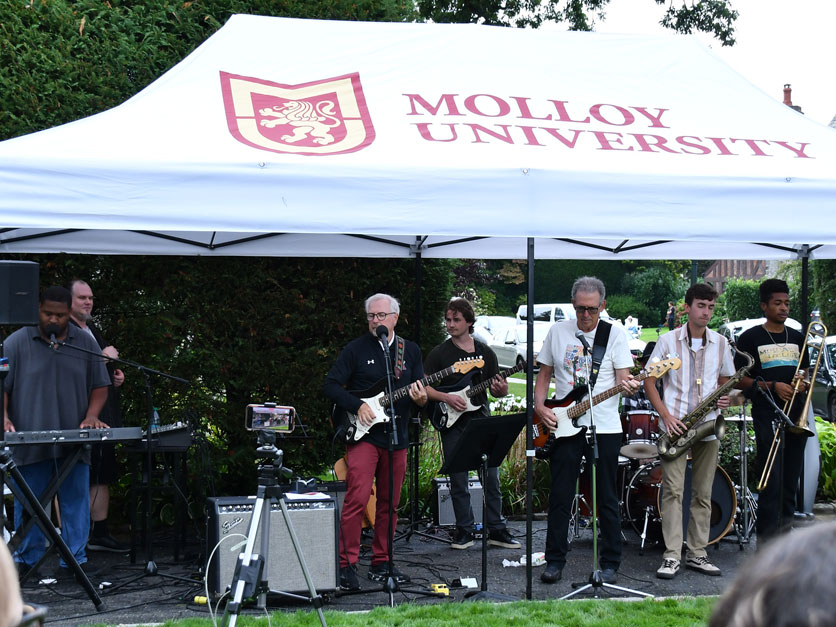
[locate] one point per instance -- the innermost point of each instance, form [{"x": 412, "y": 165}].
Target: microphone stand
[
  {"x": 596, "y": 581},
  {"x": 390, "y": 586},
  {"x": 150, "y": 566},
  {"x": 780, "y": 422}
]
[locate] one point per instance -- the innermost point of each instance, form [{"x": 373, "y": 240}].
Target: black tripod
[
  {"x": 484, "y": 443},
  {"x": 595, "y": 581},
  {"x": 249, "y": 582}
]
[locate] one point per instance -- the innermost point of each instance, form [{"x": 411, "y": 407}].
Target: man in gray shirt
[{"x": 50, "y": 386}]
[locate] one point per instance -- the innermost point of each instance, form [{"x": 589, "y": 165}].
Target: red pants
[{"x": 367, "y": 462}]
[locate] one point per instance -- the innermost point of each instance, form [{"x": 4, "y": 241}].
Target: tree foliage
[
  {"x": 243, "y": 330},
  {"x": 61, "y": 61},
  {"x": 823, "y": 273},
  {"x": 654, "y": 286},
  {"x": 715, "y": 17},
  {"x": 742, "y": 299}
]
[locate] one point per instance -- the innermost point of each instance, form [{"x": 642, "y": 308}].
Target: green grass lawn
[{"x": 580, "y": 613}]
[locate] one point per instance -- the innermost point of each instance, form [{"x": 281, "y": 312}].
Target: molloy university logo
[
  {"x": 326, "y": 117},
  {"x": 330, "y": 116}
]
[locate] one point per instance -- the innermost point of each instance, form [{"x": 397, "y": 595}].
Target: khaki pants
[{"x": 703, "y": 466}]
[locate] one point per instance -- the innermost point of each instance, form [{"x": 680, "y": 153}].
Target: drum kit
[{"x": 640, "y": 484}]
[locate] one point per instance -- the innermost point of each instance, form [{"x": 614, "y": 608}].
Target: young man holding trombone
[{"x": 778, "y": 375}]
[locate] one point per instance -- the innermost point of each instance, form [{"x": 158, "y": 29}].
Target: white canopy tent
[
  {"x": 308, "y": 138},
  {"x": 301, "y": 137}
]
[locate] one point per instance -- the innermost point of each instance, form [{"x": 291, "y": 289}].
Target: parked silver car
[
  {"x": 512, "y": 348},
  {"x": 824, "y": 388}
]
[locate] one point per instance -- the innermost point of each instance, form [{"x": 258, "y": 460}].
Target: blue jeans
[{"x": 74, "y": 500}]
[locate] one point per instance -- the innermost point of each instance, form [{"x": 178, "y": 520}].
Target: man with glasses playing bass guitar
[{"x": 563, "y": 356}]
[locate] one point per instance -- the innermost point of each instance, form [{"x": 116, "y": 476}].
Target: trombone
[{"x": 816, "y": 334}]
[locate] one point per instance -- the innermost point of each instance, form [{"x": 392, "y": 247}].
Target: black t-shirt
[
  {"x": 446, "y": 354},
  {"x": 776, "y": 359}
]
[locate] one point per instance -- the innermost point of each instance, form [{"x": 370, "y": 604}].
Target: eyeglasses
[
  {"x": 381, "y": 315},
  {"x": 586, "y": 310}
]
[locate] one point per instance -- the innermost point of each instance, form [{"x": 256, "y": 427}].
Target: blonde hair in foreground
[{"x": 11, "y": 605}]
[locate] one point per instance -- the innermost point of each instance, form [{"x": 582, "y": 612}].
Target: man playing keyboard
[{"x": 51, "y": 386}]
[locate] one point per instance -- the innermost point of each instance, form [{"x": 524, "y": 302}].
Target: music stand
[{"x": 484, "y": 443}]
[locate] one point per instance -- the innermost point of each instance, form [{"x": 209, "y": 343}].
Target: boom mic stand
[
  {"x": 595, "y": 579},
  {"x": 150, "y": 566}
]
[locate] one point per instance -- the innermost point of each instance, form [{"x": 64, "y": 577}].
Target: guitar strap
[
  {"x": 399, "y": 357},
  {"x": 599, "y": 347}
]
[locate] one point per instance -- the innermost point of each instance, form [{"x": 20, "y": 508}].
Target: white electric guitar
[
  {"x": 445, "y": 415},
  {"x": 377, "y": 398}
]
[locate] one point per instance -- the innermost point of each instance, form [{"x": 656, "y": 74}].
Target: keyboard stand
[
  {"x": 27, "y": 520},
  {"x": 23, "y": 493}
]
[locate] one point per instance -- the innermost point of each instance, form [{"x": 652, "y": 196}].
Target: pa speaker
[
  {"x": 18, "y": 292},
  {"x": 315, "y": 524}
]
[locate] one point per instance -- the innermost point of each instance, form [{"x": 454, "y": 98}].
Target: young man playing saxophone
[{"x": 706, "y": 365}]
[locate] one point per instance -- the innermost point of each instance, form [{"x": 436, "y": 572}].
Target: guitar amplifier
[
  {"x": 315, "y": 524},
  {"x": 444, "y": 514}
]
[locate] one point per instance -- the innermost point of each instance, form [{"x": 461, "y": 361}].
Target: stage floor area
[{"x": 426, "y": 558}]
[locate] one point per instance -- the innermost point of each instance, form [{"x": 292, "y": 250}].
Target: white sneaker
[
  {"x": 702, "y": 565},
  {"x": 668, "y": 570}
]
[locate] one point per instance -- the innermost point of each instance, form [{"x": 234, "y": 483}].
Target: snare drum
[{"x": 641, "y": 430}]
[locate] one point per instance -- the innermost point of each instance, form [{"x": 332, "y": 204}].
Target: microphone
[
  {"x": 382, "y": 332},
  {"x": 51, "y": 330},
  {"x": 583, "y": 341}
]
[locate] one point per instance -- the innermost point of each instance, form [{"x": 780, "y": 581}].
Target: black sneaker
[
  {"x": 552, "y": 574},
  {"x": 609, "y": 575},
  {"x": 65, "y": 573},
  {"x": 107, "y": 543},
  {"x": 501, "y": 537},
  {"x": 462, "y": 540},
  {"x": 348, "y": 578},
  {"x": 381, "y": 573}
]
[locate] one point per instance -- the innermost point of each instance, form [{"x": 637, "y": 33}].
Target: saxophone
[{"x": 671, "y": 450}]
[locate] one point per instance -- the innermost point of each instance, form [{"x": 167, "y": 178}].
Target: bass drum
[{"x": 644, "y": 503}]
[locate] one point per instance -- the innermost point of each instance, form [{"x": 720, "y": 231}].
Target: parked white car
[
  {"x": 732, "y": 330},
  {"x": 549, "y": 312},
  {"x": 512, "y": 348},
  {"x": 486, "y": 328}
]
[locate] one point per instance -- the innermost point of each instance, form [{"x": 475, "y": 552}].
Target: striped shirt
[{"x": 697, "y": 377}]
